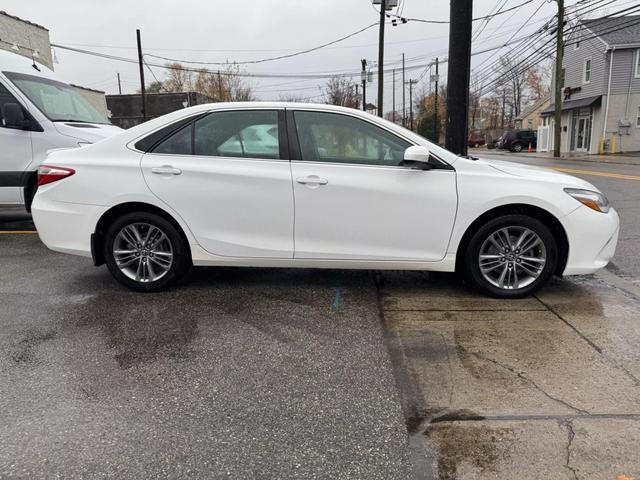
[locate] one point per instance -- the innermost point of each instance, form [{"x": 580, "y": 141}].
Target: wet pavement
[
  {"x": 266, "y": 373},
  {"x": 544, "y": 387},
  {"x": 243, "y": 373}
]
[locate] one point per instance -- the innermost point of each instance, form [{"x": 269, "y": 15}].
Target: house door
[{"x": 581, "y": 135}]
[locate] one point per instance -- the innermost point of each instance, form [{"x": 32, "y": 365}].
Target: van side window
[{"x": 5, "y": 97}]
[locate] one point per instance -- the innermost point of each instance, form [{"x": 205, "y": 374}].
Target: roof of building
[
  {"x": 86, "y": 88},
  {"x": 533, "y": 107},
  {"x": 571, "y": 104},
  {"x": 23, "y": 20},
  {"x": 623, "y": 30}
]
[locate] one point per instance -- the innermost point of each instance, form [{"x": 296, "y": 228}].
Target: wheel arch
[
  {"x": 541, "y": 214},
  {"x": 97, "y": 238}
]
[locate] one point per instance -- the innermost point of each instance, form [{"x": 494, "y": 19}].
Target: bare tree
[
  {"x": 179, "y": 78},
  {"x": 341, "y": 91},
  {"x": 511, "y": 81},
  {"x": 224, "y": 85},
  {"x": 475, "y": 93},
  {"x": 291, "y": 98}
]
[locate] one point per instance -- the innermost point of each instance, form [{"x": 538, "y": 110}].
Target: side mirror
[
  {"x": 417, "y": 157},
  {"x": 14, "y": 117}
]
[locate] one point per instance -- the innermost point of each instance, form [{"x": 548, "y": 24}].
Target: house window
[
  {"x": 638, "y": 63},
  {"x": 586, "y": 77},
  {"x": 577, "y": 44},
  {"x": 638, "y": 118}
]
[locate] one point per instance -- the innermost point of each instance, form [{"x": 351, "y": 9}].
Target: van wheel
[
  {"x": 145, "y": 252},
  {"x": 511, "y": 256}
]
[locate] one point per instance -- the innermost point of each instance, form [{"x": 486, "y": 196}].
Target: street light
[{"x": 389, "y": 4}]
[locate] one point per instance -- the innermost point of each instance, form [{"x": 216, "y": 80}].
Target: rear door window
[{"x": 242, "y": 134}]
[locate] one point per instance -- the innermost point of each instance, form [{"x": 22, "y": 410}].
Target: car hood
[
  {"x": 538, "y": 173},
  {"x": 86, "y": 132}
]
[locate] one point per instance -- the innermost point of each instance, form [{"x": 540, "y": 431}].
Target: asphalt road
[{"x": 244, "y": 373}]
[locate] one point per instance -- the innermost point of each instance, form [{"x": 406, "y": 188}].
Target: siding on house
[
  {"x": 623, "y": 75},
  {"x": 573, "y": 62}
]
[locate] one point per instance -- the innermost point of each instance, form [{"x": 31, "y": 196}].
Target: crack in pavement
[
  {"x": 526, "y": 379},
  {"x": 571, "y": 435},
  {"x": 592, "y": 344}
]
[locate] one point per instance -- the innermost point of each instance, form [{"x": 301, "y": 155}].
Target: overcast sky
[{"x": 254, "y": 29}]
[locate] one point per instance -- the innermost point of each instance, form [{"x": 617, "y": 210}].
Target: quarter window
[
  {"x": 337, "y": 138},
  {"x": 244, "y": 134},
  {"x": 177, "y": 144}
]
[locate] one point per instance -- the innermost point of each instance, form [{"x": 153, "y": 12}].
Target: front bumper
[{"x": 593, "y": 238}]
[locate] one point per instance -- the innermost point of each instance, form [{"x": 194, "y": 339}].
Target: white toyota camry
[{"x": 303, "y": 185}]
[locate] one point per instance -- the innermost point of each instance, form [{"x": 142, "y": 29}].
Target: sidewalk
[{"x": 632, "y": 158}]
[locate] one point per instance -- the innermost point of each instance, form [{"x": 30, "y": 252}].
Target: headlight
[{"x": 594, "y": 200}]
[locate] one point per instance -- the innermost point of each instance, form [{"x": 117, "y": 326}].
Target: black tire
[
  {"x": 476, "y": 278},
  {"x": 517, "y": 147},
  {"x": 181, "y": 255}
]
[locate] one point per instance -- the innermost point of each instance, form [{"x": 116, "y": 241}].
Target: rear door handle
[
  {"x": 166, "y": 170},
  {"x": 312, "y": 180}
]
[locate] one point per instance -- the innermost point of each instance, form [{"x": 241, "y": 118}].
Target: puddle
[{"x": 469, "y": 449}]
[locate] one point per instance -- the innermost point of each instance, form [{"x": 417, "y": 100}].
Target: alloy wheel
[
  {"x": 512, "y": 257},
  {"x": 143, "y": 252}
]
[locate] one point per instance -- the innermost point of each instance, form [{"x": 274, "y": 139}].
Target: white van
[{"x": 39, "y": 112}]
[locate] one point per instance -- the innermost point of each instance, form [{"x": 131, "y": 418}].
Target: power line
[
  {"x": 445, "y": 22},
  {"x": 263, "y": 60}
]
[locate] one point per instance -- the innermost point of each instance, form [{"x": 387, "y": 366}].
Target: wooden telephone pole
[
  {"x": 557, "y": 127},
  {"x": 459, "y": 74}
]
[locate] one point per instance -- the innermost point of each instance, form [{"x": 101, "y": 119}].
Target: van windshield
[{"x": 58, "y": 101}]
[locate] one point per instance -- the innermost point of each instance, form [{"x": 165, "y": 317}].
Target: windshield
[{"x": 58, "y": 101}]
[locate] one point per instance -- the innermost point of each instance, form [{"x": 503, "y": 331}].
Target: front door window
[{"x": 581, "y": 132}]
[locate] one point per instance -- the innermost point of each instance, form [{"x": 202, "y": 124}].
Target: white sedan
[{"x": 331, "y": 188}]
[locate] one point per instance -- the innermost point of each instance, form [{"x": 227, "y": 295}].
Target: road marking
[
  {"x": 597, "y": 174},
  {"x": 18, "y": 232}
]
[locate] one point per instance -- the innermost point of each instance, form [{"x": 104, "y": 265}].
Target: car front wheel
[
  {"x": 511, "y": 256},
  {"x": 145, "y": 252},
  {"x": 517, "y": 147}
]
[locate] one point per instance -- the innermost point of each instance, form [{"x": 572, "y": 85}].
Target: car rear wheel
[
  {"x": 511, "y": 256},
  {"x": 145, "y": 252}
]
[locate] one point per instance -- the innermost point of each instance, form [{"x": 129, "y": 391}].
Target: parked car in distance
[
  {"x": 177, "y": 191},
  {"x": 495, "y": 143},
  {"x": 476, "y": 140},
  {"x": 39, "y": 112},
  {"x": 518, "y": 140}
]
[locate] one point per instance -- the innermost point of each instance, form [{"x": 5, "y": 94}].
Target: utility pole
[
  {"x": 393, "y": 111},
  {"x": 383, "y": 17},
  {"x": 411, "y": 84},
  {"x": 142, "y": 89},
  {"x": 357, "y": 96},
  {"x": 119, "y": 86},
  {"x": 436, "y": 122},
  {"x": 364, "y": 84},
  {"x": 557, "y": 127},
  {"x": 404, "y": 102},
  {"x": 459, "y": 76}
]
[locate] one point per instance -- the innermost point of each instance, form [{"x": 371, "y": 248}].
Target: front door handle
[
  {"x": 166, "y": 170},
  {"x": 312, "y": 180}
]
